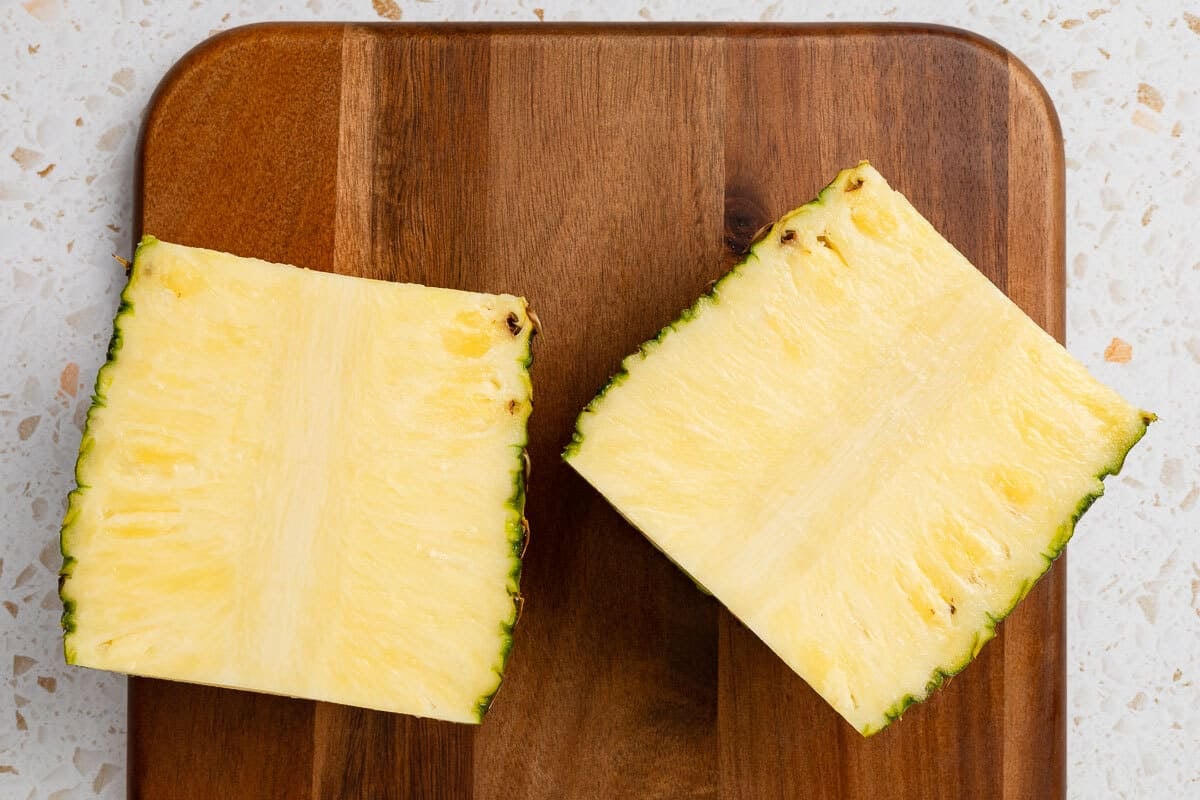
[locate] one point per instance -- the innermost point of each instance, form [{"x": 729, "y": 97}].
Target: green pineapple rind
[
  {"x": 711, "y": 297},
  {"x": 518, "y": 536},
  {"x": 988, "y": 632},
  {"x": 99, "y": 400}
]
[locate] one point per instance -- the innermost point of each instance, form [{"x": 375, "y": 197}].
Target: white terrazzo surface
[{"x": 75, "y": 77}]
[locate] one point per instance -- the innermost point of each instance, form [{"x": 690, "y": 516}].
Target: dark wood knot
[{"x": 745, "y": 217}]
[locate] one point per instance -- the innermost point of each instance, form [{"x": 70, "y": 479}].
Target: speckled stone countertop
[{"x": 76, "y": 76}]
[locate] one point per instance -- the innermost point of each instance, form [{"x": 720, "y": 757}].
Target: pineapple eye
[{"x": 514, "y": 323}]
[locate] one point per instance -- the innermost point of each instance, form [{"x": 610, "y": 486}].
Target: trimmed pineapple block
[
  {"x": 302, "y": 483},
  {"x": 859, "y": 445}
]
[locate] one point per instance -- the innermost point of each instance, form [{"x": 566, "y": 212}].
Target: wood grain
[
  {"x": 1040, "y": 206},
  {"x": 608, "y": 173},
  {"x": 942, "y": 141},
  {"x": 616, "y": 646}
]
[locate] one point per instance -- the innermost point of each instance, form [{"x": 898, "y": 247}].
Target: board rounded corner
[
  {"x": 206, "y": 54},
  {"x": 190, "y": 88},
  {"x": 1024, "y": 84},
  {"x": 1027, "y": 88}
]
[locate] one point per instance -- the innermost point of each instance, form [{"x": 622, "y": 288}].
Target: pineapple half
[
  {"x": 302, "y": 483},
  {"x": 859, "y": 445}
]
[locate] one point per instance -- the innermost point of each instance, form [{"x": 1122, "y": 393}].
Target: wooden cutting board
[{"x": 609, "y": 173}]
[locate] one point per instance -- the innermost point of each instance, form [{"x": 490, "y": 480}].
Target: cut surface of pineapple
[
  {"x": 859, "y": 445},
  {"x": 302, "y": 483}
]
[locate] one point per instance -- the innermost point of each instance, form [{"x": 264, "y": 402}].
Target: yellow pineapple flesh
[
  {"x": 302, "y": 483},
  {"x": 859, "y": 445}
]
